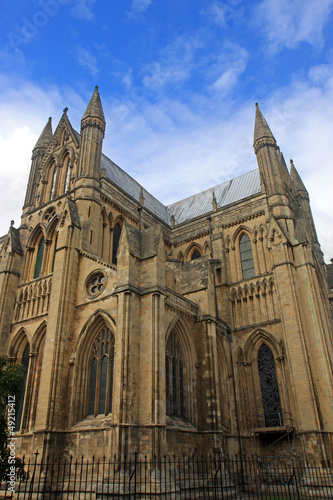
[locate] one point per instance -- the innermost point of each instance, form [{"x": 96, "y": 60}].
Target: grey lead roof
[
  {"x": 228, "y": 192},
  {"x": 225, "y": 193},
  {"x": 133, "y": 188}
]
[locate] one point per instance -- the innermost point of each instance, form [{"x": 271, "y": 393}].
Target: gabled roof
[{"x": 133, "y": 188}]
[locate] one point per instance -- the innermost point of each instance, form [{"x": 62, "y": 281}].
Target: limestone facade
[{"x": 165, "y": 330}]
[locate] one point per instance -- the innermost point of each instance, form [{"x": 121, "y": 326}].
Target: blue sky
[{"x": 178, "y": 81}]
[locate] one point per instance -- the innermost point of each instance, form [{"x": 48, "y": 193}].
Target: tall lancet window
[
  {"x": 269, "y": 388},
  {"x": 174, "y": 375},
  {"x": 20, "y": 397},
  {"x": 68, "y": 173},
  {"x": 101, "y": 374},
  {"x": 53, "y": 184},
  {"x": 39, "y": 258},
  {"x": 116, "y": 238},
  {"x": 245, "y": 250}
]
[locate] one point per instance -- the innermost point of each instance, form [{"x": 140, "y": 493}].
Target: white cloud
[
  {"x": 222, "y": 13},
  {"x": 288, "y": 23},
  {"x": 25, "y": 108},
  {"x": 231, "y": 64},
  {"x": 176, "y": 149},
  {"x": 83, "y": 10},
  {"x": 175, "y": 62},
  {"x": 87, "y": 60},
  {"x": 138, "y": 7}
]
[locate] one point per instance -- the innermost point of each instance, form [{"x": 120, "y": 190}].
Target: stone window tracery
[
  {"x": 50, "y": 214},
  {"x": 96, "y": 283}
]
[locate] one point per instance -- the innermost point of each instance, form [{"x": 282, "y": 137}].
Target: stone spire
[
  {"x": 37, "y": 156},
  {"x": 45, "y": 137},
  {"x": 273, "y": 172},
  {"x": 261, "y": 128},
  {"x": 94, "y": 108}
]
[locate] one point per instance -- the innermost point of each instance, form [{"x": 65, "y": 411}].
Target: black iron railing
[{"x": 176, "y": 478}]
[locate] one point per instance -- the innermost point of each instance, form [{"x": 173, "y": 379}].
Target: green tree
[{"x": 10, "y": 387}]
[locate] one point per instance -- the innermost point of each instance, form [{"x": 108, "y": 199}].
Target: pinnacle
[
  {"x": 296, "y": 178},
  {"x": 261, "y": 128},
  {"x": 45, "y": 137},
  {"x": 94, "y": 108}
]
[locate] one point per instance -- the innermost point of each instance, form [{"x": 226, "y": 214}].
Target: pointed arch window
[
  {"x": 39, "y": 258},
  {"x": 101, "y": 374},
  {"x": 116, "y": 238},
  {"x": 20, "y": 397},
  {"x": 196, "y": 255},
  {"x": 174, "y": 375},
  {"x": 246, "y": 256},
  {"x": 269, "y": 388}
]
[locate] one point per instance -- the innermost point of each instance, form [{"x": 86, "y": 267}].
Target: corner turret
[{"x": 274, "y": 175}]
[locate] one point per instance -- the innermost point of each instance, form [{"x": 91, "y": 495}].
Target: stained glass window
[
  {"x": 39, "y": 258},
  {"x": 174, "y": 373},
  {"x": 245, "y": 249},
  {"x": 269, "y": 388},
  {"x": 101, "y": 374}
]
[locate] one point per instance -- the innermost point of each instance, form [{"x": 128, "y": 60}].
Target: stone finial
[
  {"x": 172, "y": 221},
  {"x": 214, "y": 202}
]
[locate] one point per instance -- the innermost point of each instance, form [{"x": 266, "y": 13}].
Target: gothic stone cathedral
[{"x": 197, "y": 327}]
